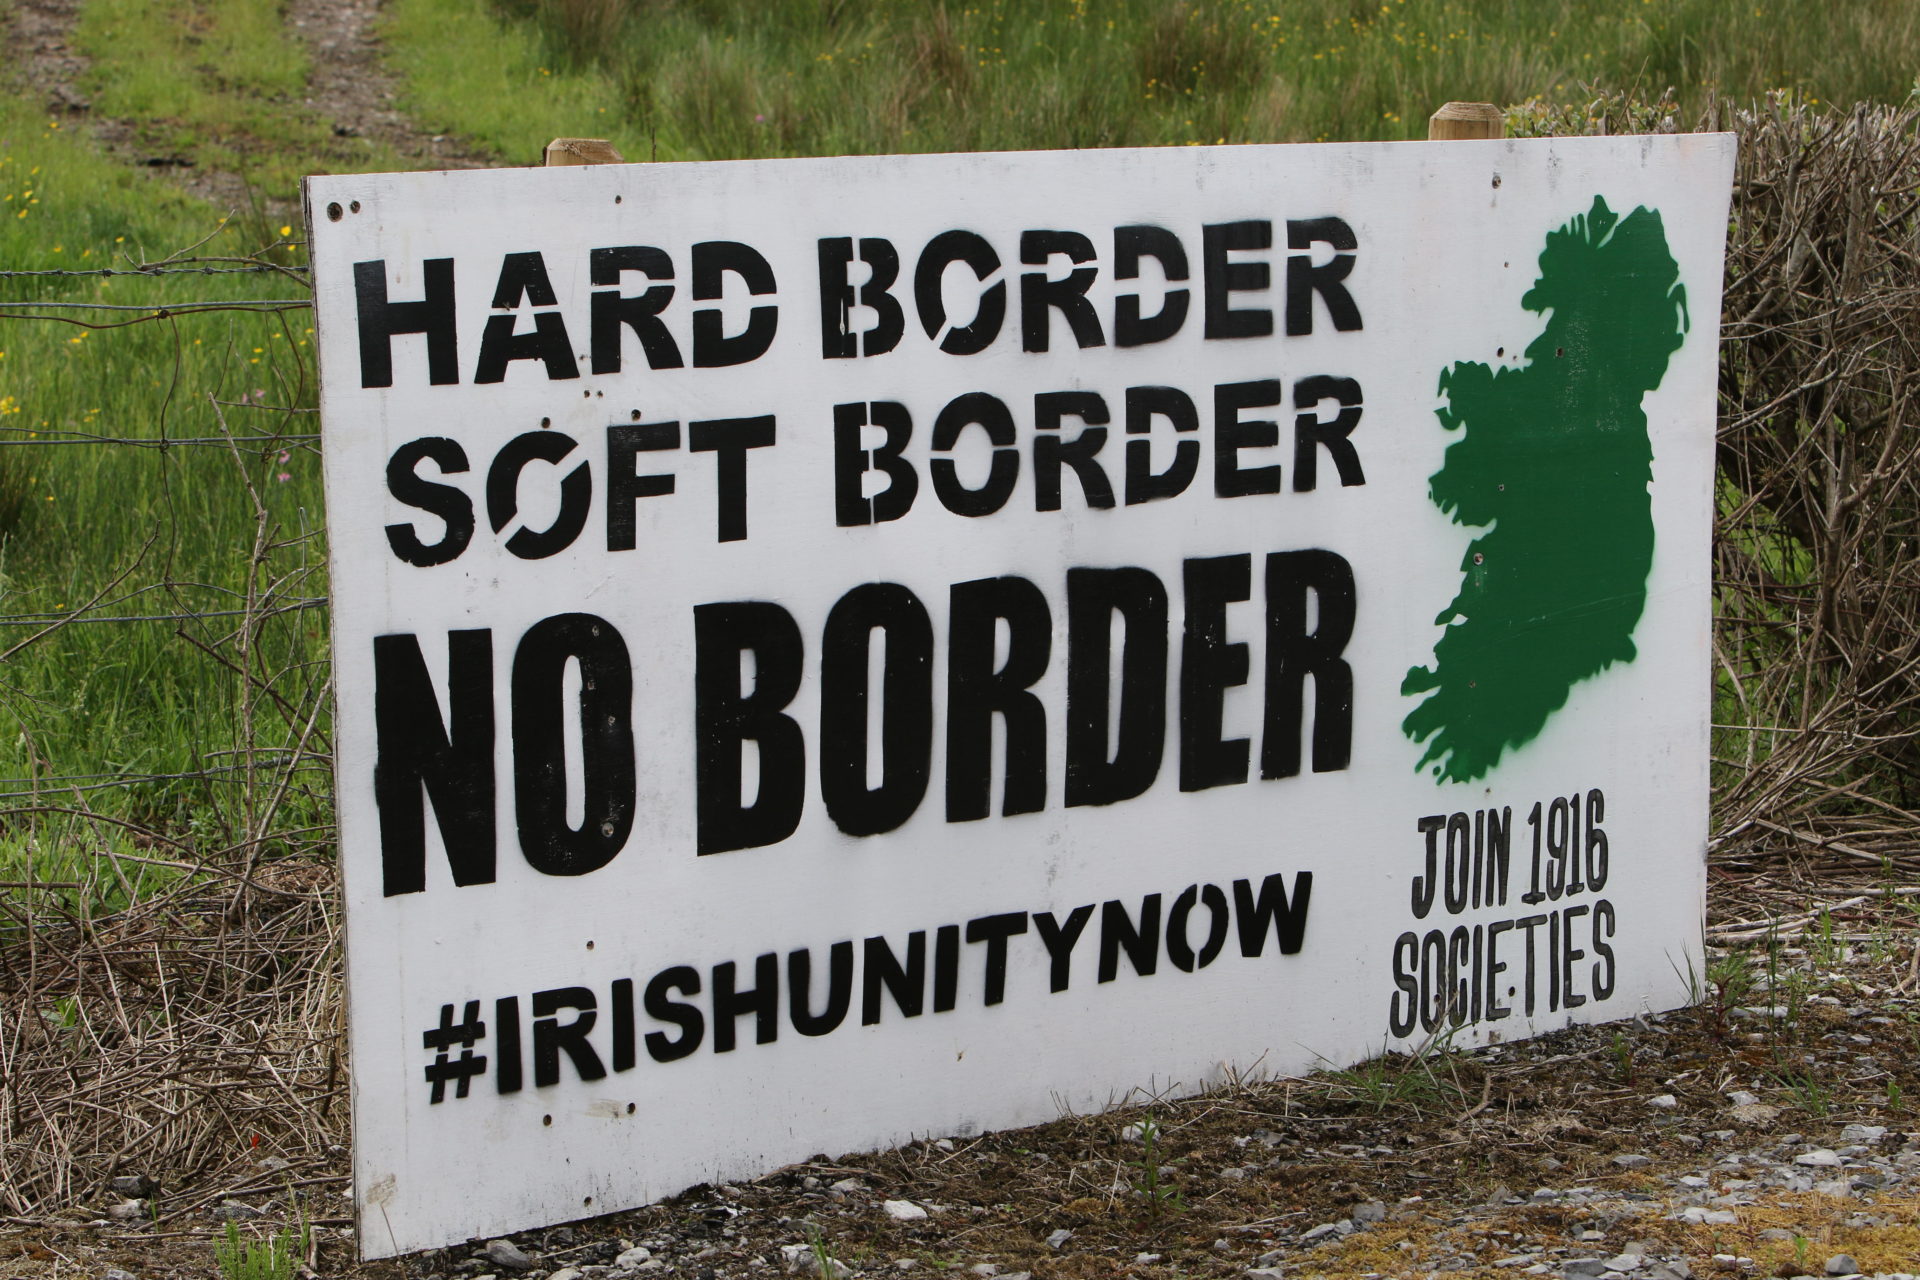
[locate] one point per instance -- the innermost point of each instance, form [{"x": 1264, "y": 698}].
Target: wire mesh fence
[{"x": 169, "y": 936}]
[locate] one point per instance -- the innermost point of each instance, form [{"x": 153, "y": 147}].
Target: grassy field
[
  {"x": 143, "y": 532},
  {"x": 708, "y": 79},
  {"x": 135, "y": 531}
]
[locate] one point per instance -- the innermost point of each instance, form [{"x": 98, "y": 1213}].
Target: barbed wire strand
[
  {"x": 162, "y": 308},
  {"x": 41, "y": 620},
  {"x": 157, "y": 442},
  {"x": 94, "y": 272}
]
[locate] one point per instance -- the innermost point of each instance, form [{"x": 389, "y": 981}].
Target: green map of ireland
[{"x": 1552, "y": 465}]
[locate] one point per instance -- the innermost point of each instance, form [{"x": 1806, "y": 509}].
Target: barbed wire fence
[
  {"x": 173, "y": 1006},
  {"x": 188, "y": 1023}
]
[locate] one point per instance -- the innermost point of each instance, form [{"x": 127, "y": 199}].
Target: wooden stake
[
  {"x": 1458, "y": 120},
  {"x": 582, "y": 151}
]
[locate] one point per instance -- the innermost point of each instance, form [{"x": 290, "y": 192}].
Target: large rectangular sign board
[{"x": 830, "y": 651}]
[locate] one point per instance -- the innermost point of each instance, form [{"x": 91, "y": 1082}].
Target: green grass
[
  {"x": 222, "y": 83},
  {"x": 1424, "y": 1079},
  {"x": 103, "y": 700},
  {"x": 469, "y": 70},
  {"x": 705, "y": 79},
  {"x": 275, "y": 1258}
]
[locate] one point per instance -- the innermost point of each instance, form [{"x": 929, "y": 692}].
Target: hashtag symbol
[{"x": 466, "y": 1033}]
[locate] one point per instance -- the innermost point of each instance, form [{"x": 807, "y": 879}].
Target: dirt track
[{"x": 349, "y": 89}]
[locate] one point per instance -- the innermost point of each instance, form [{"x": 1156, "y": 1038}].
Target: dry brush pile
[
  {"x": 1818, "y": 546},
  {"x": 194, "y": 1031}
]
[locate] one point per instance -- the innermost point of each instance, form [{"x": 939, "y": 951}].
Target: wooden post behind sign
[
  {"x": 582, "y": 151},
  {"x": 1459, "y": 120}
]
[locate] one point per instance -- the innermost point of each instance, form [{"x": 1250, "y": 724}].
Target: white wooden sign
[{"x": 836, "y": 650}]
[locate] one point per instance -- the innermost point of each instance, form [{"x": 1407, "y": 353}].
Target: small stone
[
  {"x": 1820, "y": 1158},
  {"x": 1721, "y": 1218},
  {"x": 943, "y": 1144},
  {"x": 115, "y": 1273},
  {"x": 1058, "y": 1238},
  {"x": 905, "y": 1264},
  {"x": 849, "y": 1184},
  {"x": 1624, "y": 1262},
  {"x": 566, "y": 1273},
  {"x": 1542, "y": 1194},
  {"x": 1271, "y": 1258},
  {"x": 1370, "y": 1211},
  {"x": 903, "y": 1210},
  {"x": 1265, "y": 1273},
  {"x": 1842, "y": 1264},
  {"x": 1498, "y": 1197},
  {"x": 1314, "y": 1233},
  {"x": 1665, "y": 1101},
  {"x": 1589, "y": 1267},
  {"x": 1835, "y": 1188},
  {"x": 505, "y": 1253},
  {"x": 1133, "y": 1133},
  {"x": 801, "y": 1259},
  {"x": 1865, "y": 1134},
  {"x": 134, "y": 1186},
  {"x": 631, "y": 1258},
  {"x": 1633, "y": 1161},
  {"x": 1741, "y": 1098}
]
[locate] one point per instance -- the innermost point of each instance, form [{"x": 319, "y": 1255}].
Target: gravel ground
[{"x": 1764, "y": 1132}]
